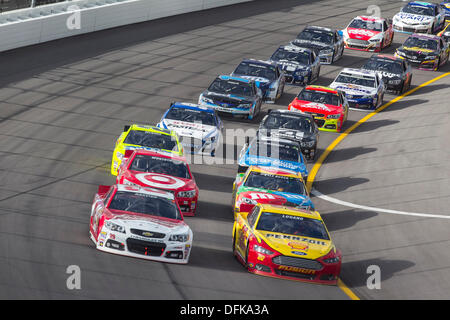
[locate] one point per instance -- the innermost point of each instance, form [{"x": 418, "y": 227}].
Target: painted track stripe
[
  {"x": 357, "y": 206},
  {"x": 342, "y": 136}
]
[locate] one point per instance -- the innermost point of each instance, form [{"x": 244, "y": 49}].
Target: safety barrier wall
[{"x": 35, "y": 25}]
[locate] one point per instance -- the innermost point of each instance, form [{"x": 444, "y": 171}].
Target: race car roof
[
  {"x": 298, "y": 113},
  {"x": 425, "y": 36},
  {"x": 191, "y": 106},
  {"x": 225, "y": 77},
  {"x": 151, "y": 128},
  {"x": 322, "y": 88},
  {"x": 145, "y": 190},
  {"x": 386, "y": 56},
  {"x": 358, "y": 72},
  {"x": 319, "y": 28},
  {"x": 260, "y": 62},
  {"x": 370, "y": 18},
  {"x": 160, "y": 155},
  {"x": 422, "y": 4},
  {"x": 275, "y": 171},
  {"x": 290, "y": 210}
]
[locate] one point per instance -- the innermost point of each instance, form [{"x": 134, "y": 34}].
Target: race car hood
[
  {"x": 189, "y": 129},
  {"x": 311, "y": 44},
  {"x": 417, "y": 50},
  {"x": 291, "y": 66},
  {"x": 291, "y": 199},
  {"x": 249, "y": 160},
  {"x": 361, "y": 34},
  {"x": 262, "y": 83},
  {"x": 309, "y": 106},
  {"x": 388, "y": 75},
  {"x": 296, "y": 245},
  {"x": 146, "y": 222},
  {"x": 411, "y": 18},
  {"x": 353, "y": 89},
  {"x": 157, "y": 180}
]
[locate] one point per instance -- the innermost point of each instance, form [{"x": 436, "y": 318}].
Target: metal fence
[{"x": 9, "y": 5}]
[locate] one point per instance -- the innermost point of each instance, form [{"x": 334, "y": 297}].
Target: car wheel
[{"x": 246, "y": 256}]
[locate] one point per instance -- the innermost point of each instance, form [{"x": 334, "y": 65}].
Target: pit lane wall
[{"x": 30, "y": 26}]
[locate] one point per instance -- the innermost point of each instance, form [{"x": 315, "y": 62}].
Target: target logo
[{"x": 160, "y": 181}]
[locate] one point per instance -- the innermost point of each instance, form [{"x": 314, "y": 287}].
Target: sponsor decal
[
  {"x": 295, "y": 269},
  {"x": 318, "y": 106},
  {"x": 298, "y": 246},
  {"x": 289, "y": 237},
  {"x": 362, "y": 32},
  {"x": 160, "y": 181},
  {"x": 299, "y": 253}
]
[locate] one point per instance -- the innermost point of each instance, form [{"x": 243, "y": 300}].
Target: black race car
[
  {"x": 293, "y": 125},
  {"x": 395, "y": 72},
  {"x": 328, "y": 42}
]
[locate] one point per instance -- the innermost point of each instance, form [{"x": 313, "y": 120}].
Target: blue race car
[
  {"x": 301, "y": 65},
  {"x": 445, "y": 5},
  {"x": 265, "y": 151},
  {"x": 198, "y": 128},
  {"x": 233, "y": 95},
  {"x": 419, "y": 17},
  {"x": 267, "y": 76}
]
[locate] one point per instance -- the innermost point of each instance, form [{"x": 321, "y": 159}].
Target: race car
[
  {"x": 139, "y": 222},
  {"x": 445, "y": 34},
  {"x": 199, "y": 128},
  {"x": 233, "y": 95},
  {"x": 417, "y": 16},
  {"x": 395, "y": 72},
  {"x": 297, "y": 126},
  {"x": 145, "y": 137},
  {"x": 368, "y": 34},
  {"x": 168, "y": 172},
  {"x": 286, "y": 242},
  {"x": 301, "y": 65},
  {"x": 445, "y": 5},
  {"x": 267, "y": 76},
  {"x": 328, "y": 42},
  {"x": 269, "y": 185},
  {"x": 272, "y": 152},
  {"x": 328, "y": 106},
  {"x": 424, "y": 51},
  {"x": 363, "y": 89}
]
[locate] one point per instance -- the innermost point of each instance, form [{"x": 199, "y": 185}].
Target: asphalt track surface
[{"x": 64, "y": 103}]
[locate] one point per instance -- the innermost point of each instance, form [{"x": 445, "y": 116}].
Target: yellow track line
[{"x": 342, "y": 136}]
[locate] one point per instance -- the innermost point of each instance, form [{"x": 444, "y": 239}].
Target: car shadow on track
[
  {"x": 370, "y": 125},
  {"x": 211, "y": 258},
  {"x": 345, "y": 219},
  {"x": 430, "y": 88},
  {"x": 403, "y": 104},
  {"x": 335, "y": 185},
  {"x": 214, "y": 183},
  {"x": 355, "y": 273},
  {"x": 343, "y": 154}
]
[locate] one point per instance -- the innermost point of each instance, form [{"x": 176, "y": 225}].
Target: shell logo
[{"x": 298, "y": 246}]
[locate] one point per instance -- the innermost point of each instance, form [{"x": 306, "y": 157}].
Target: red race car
[
  {"x": 140, "y": 222},
  {"x": 162, "y": 171},
  {"x": 328, "y": 106},
  {"x": 368, "y": 34}
]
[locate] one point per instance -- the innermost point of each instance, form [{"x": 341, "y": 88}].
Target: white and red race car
[
  {"x": 368, "y": 34},
  {"x": 162, "y": 171},
  {"x": 141, "y": 223}
]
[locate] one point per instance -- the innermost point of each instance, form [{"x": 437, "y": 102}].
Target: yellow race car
[
  {"x": 286, "y": 242},
  {"x": 144, "y": 137}
]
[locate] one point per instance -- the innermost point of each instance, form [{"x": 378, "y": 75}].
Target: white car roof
[
  {"x": 146, "y": 191},
  {"x": 359, "y": 72}
]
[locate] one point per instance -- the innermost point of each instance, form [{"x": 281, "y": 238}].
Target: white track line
[{"x": 357, "y": 206}]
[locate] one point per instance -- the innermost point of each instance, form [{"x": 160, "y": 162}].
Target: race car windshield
[
  {"x": 319, "y": 97},
  {"x": 424, "y": 11},
  {"x": 302, "y": 57},
  {"x": 273, "y": 150},
  {"x": 413, "y": 42},
  {"x": 231, "y": 87},
  {"x": 366, "y": 25},
  {"x": 279, "y": 121},
  {"x": 151, "y": 140},
  {"x": 256, "y": 70},
  {"x": 365, "y": 82},
  {"x": 275, "y": 183},
  {"x": 292, "y": 225},
  {"x": 316, "y": 36},
  {"x": 384, "y": 65},
  {"x": 145, "y": 204},
  {"x": 190, "y": 115},
  {"x": 146, "y": 163}
]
